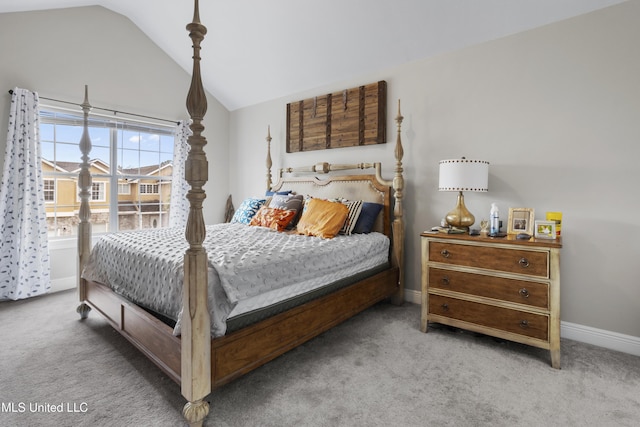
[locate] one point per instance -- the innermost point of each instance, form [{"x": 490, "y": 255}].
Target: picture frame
[
  {"x": 545, "y": 229},
  {"x": 521, "y": 220}
]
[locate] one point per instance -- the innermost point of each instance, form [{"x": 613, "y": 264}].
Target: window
[
  {"x": 131, "y": 156},
  {"x": 49, "y": 190},
  {"x": 149, "y": 188},
  {"x": 124, "y": 188},
  {"x": 97, "y": 191}
]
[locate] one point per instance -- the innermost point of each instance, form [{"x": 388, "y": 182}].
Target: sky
[{"x": 135, "y": 148}]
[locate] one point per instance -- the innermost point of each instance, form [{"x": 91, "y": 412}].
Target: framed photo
[
  {"x": 520, "y": 221},
  {"x": 545, "y": 230}
]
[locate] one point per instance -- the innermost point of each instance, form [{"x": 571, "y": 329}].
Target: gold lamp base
[{"x": 460, "y": 217}]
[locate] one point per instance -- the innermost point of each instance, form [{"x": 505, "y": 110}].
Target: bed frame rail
[{"x": 240, "y": 352}]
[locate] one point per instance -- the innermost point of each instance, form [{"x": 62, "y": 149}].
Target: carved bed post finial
[
  {"x": 269, "y": 162},
  {"x": 84, "y": 215},
  {"x": 398, "y": 212},
  {"x": 196, "y": 13},
  {"x": 196, "y": 326}
]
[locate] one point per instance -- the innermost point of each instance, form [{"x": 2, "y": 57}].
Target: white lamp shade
[{"x": 464, "y": 175}]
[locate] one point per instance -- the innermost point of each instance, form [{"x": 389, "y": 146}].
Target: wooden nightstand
[{"x": 502, "y": 287}]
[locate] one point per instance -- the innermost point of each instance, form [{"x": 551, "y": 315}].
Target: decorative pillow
[
  {"x": 292, "y": 202},
  {"x": 274, "y": 218},
  {"x": 305, "y": 202},
  {"x": 247, "y": 210},
  {"x": 367, "y": 218},
  {"x": 354, "y": 212},
  {"x": 322, "y": 218},
  {"x": 352, "y": 217},
  {"x": 273, "y": 193}
]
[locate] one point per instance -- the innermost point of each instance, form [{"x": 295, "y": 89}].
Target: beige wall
[
  {"x": 57, "y": 52},
  {"x": 556, "y": 111}
]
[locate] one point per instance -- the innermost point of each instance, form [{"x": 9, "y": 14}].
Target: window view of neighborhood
[{"x": 142, "y": 156}]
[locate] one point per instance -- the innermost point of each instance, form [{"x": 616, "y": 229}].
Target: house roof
[
  {"x": 143, "y": 170},
  {"x": 75, "y": 166}
]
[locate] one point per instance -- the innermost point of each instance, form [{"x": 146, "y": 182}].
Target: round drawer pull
[
  {"x": 445, "y": 280},
  {"x": 524, "y": 293},
  {"x": 524, "y": 324},
  {"x": 445, "y": 307},
  {"x": 445, "y": 253},
  {"x": 524, "y": 263}
]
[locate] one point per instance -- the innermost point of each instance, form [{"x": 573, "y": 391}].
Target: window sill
[{"x": 60, "y": 243}]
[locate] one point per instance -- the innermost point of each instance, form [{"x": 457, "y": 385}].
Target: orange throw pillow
[
  {"x": 322, "y": 218},
  {"x": 274, "y": 218}
]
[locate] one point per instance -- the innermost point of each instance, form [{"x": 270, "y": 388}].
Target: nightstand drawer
[
  {"x": 504, "y": 319},
  {"x": 519, "y": 261},
  {"x": 522, "y": 292}
]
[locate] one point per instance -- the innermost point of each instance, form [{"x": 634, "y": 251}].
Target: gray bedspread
[{"x": 249, "y": 267}]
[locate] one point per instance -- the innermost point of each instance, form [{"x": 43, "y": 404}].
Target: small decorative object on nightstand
[
  {"x": 507, "y": 288},
  {"x": 484, "y": 228},
  {"x": 545, "y": 229},
  {"x": 462, "y": 175}
]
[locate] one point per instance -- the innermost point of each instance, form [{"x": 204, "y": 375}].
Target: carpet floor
[{"x": 377, "y": 369}]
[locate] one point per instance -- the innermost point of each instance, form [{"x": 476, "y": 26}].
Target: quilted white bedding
[{"x": 249, "y": 267}]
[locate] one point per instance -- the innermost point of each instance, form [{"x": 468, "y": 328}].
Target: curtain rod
[{"x": 104, "y": 109}]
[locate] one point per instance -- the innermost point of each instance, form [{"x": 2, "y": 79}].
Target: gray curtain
[{"x": 24, "y": 247}]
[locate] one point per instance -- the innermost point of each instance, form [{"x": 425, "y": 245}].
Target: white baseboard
[
  {"x": 413, "y": 296},
  {"x": 601, "y": 338},
  {"x": 586, "y": 334}
]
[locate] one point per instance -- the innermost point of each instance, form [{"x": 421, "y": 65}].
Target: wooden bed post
[
  {"x": 84, "y": 226},
  {"x": 196, "y": 326},
  {"x": 269, "y": 162},
  {"x": 398, "y": 213}
]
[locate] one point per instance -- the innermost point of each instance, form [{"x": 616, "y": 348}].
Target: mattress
[{"x": 251, "y": 269}]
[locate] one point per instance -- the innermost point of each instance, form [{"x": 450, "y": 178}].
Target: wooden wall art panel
[{"x": 353, "y": 117}]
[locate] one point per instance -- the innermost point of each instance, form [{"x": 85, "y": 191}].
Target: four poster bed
[{"x": 209, "y": 345}]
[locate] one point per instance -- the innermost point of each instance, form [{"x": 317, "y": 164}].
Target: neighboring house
[{"x": 143, "y": 196}]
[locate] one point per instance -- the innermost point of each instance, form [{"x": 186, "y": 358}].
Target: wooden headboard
[
  {"x": 367, "y": 188},
  {"x": 352, "y": 186}
]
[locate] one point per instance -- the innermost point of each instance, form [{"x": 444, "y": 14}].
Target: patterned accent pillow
[
  {"x": 367, "y": 218},
  {"x": 273, "y": 193},
  {"x": 322, "y": 218},
  {"x": 247, "y": 210},
  {"x": 292, "y": 202},
  {"x": 274, "y": 218},
  {"x": 305, "y": 202},
  {"x": 354, "y": 213}
]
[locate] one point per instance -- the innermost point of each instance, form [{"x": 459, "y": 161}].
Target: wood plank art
[{"x": 350, "y": 118}]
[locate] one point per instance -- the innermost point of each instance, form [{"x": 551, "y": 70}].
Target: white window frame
[
  {"x": 52, "y": 190},
  {"x": 155, "y": 188},
  {"x": 124, "y": 188},
  {"x": 110, "y": 179},
  {"x": 102, "y": 191}
]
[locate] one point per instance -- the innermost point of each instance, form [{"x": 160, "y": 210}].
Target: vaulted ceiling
[{"x": 257, "y": 50}]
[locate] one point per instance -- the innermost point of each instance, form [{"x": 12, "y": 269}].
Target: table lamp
[{"x": 463, "y": 175}]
